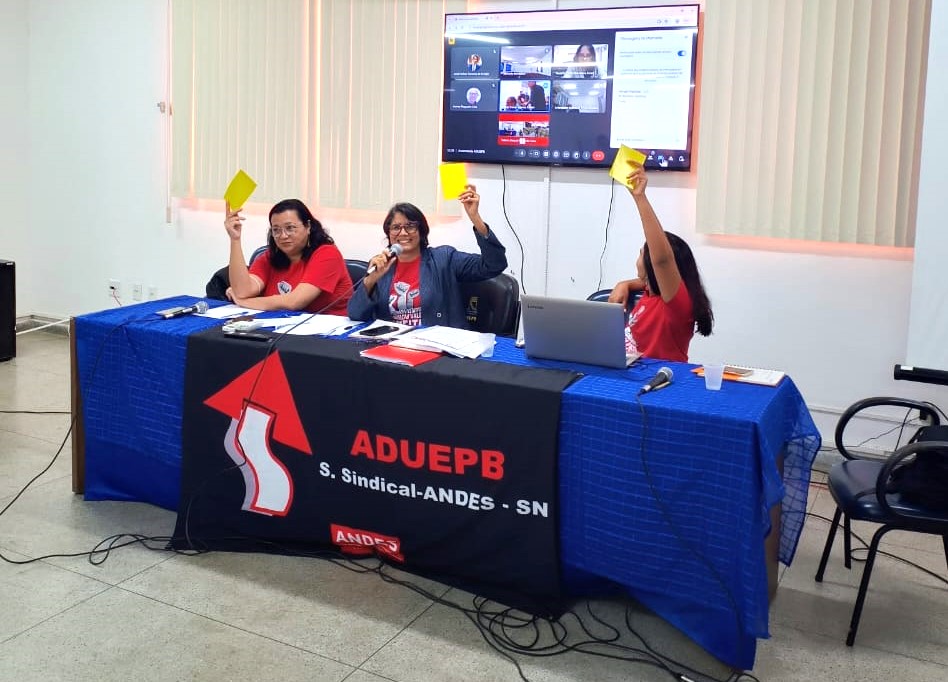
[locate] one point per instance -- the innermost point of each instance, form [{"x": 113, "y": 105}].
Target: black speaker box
[{"x": 7, "y": 310}]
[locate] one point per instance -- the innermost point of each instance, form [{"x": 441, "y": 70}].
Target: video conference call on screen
[{"x": 568, "y": 87}]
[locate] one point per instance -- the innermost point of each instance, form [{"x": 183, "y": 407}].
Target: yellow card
[
  {"x": 239, "y": 190},
  {"x": 453, "y": 179},
  {"x": 620, "y": 167}
]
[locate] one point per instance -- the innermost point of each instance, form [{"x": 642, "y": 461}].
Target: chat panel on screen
[
  {"x": 477, "y": 62},
  {"x": 526, "y": 60},
  {"x": 473, "y": 95},
  {"x": 651, "y": 85}
]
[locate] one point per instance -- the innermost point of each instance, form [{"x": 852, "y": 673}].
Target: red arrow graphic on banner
[{"x": 272, "y": 414}]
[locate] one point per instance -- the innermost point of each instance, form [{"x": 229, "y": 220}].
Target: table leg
[
  {"x": 78, "y": 432},
  {"x": 772, "y": 542}
]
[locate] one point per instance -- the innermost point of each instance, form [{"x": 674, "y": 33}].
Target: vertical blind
[
  {"x": 810, "y": 119},
  {"x": 332, "y": 101},
  {"x": 240, "y": 91}
]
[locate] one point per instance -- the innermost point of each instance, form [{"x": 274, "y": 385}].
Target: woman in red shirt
[
  {"x": 674, "y": 304},
  {"x": 302, "y": 269}
]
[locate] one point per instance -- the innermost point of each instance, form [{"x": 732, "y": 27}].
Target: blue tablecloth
[{"x": 667, "y": 495}]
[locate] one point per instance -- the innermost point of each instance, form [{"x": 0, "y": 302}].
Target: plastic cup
[{"x": 713, "y": 376}]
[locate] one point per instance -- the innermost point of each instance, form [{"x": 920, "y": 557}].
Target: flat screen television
[{"x": 567, "y": 87}]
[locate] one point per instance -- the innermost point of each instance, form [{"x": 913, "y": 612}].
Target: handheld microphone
[
  {"x": 393, "y": 251},
  {"x": 199, "y": 307},
  {"x": 661, "y": 379}
]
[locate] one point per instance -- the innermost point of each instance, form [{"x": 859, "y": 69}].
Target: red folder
[{"x": 400, "y": 356}]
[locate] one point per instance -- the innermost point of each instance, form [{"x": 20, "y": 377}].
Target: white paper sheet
[
  {"x": 311, "y": 325},
  {"x": 227, "y": 311},
  {"x": 461, "y": 343}
]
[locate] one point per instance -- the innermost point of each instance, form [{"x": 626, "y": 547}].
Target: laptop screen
[{"x": 571, "y": 330}]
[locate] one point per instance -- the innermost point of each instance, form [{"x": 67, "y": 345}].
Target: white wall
[
  {"x": 835, "y": 319},
  {"x": 97, "y": 72},
  {"x": 14, "y": 148}
]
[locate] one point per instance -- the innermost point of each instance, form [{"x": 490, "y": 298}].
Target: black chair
[
  {"x": 602, "y": 296},
  {"x": 356, "y": 269},
  {"x": 217, "y": 286},
  {"x": 493, "y": 304},
  {"x": 256, "y": 254},
  {"x": 867, "y": 490}
]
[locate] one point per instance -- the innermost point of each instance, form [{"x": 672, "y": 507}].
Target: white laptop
[{"x": 574, "y": 331}]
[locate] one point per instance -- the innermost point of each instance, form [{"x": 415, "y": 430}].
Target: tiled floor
[{"x": 145, "y": 615}]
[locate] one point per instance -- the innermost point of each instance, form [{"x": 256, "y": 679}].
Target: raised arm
[
  {"x": 471, "y": 201},
  {"x": 661, "y": 254},
  {"x": 493, "y": 257},
  {"x": 242, "y": 283}
]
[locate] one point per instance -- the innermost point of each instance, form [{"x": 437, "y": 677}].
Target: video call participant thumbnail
[
  {"x": 473, "y": 95},
  {"x": 580, "y": 61},
  {"x": 475, "y": 62}
]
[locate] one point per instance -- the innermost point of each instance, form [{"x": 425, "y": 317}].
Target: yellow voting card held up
[
  {"x": 239, "y": 190},
  {"x": 620, "y": 167},
  {"x": 453, "y": 179}
]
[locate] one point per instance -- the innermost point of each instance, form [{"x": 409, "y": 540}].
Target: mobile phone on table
[
  {"x": 739, "y": 371},
  {"x": 379, "y": 331}
]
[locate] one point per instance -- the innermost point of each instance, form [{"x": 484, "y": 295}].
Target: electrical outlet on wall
[
  {"x": 114, "y": 288},
  {"x": 137, "y": 291},
  {"x": 152, "y": 292}
]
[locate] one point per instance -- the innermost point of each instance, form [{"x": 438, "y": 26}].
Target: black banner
[{"x": 447, "y": 469}]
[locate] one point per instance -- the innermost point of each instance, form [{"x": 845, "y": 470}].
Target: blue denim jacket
[{"x": 442, "y": 267}]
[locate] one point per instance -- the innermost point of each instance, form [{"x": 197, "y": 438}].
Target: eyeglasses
[
  {"x": 407, "y": 228},
  {"x": 288, "y": 230}
]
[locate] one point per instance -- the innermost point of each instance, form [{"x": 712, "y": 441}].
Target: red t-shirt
[
  {"x": 657, "y": 329},
  {"x": 325, "y": 270},
  {"x": 404, "y": 298}
]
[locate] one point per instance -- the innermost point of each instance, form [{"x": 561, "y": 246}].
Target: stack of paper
[{"x": 460, "y": 343}]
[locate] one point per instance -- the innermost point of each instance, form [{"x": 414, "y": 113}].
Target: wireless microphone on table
[{"x": 661, "y": 379}]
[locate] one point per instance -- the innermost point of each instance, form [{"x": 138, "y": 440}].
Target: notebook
[{"x": 574, "y": 331}]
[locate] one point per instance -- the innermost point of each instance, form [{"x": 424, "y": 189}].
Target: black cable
[
  {"x": 34, "y": 412},
  {"x": 495, "y": 625},
  {"x": 508, "y": 631},
  {"x": 91, "y": 554},
  {"x": 666, "y": 513},
  {"x": 271, "y": 348},
  {"x": 35, "y": 478},
  {"x": 605, "y": 243},
  {"x": 503, "y": 205},
  {"x": 900, "y": 426},
  {"x": 937, "y": 409},
  {"x": 278, "y": 337},
  {"x": 865, "y": 546}
]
